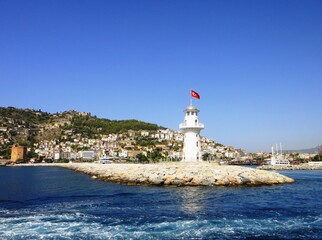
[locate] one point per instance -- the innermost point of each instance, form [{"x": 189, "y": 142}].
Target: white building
[
  {"x": 88, "y": 155},
  {"x": 191, "y": 129},
  {"x": 57, "y": 155}
]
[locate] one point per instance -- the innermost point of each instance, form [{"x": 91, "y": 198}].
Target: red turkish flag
[{"x": 194, "y": 94}]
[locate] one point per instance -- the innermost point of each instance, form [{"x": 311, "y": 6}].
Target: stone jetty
[
  {"x": 303, "y": 166},
  {"x": 178, "y": 174}
]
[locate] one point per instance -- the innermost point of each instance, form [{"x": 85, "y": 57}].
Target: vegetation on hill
[
  {"x": 91, "y": 125},
  {"x": 27, "y": 126},
  {"x": 318, "y": 156},
  {"x": 27, "y": 117}
]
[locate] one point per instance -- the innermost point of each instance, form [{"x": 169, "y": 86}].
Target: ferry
[
  {"x": 105, "y": 160},
  {"x": 277, "y": 159}
]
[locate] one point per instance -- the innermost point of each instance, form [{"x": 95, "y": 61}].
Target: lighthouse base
[{"x": 191, "y": 159}]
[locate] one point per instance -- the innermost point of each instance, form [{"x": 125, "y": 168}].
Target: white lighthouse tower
[{"x": 191, "y": 128}]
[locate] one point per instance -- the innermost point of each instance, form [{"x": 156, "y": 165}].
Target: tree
[
  {"x": 32, "y": 154},
  {"x": 155, "y": 155},
  {"x": 205, "y": 156},
  {"x": 141, "y": 158},
  {"x": 5, "y": 152},
  {"x": 318, "y": 156}
]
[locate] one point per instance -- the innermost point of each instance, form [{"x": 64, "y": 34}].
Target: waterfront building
[
  {"x": 68, "y": 155},
  {"x": 88, "y": 155},
  {"x": 57, "y": 154},
  {"x": 191, "y": 129},
  {"x": 18, "y": 153}
]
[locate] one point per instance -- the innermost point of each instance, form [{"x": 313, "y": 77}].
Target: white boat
[
  {"x": 277, "y": 159},
  {"x": 105, "y": 160}
]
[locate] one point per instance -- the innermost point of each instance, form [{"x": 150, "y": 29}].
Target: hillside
[
  {"x": 79, "y": 135},
  {"x": 309, "y": 150},
  {"x": 27, "y": 126}
]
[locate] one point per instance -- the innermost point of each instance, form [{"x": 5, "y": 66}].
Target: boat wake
[{"x": 55, "y": 223}]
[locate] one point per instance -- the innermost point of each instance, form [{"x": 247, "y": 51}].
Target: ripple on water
[
  {"x": 88, "y": 209},
  {"x": 55, "y": 225}
]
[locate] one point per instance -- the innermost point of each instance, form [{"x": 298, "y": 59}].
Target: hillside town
[
  {"x": 54, "y": 137},
  {"x": 55, "y": 140}
]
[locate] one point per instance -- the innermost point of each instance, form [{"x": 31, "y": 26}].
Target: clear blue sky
[{"x": 256, "y": 64}]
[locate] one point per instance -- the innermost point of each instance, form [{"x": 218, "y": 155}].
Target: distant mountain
[{"x": 309, "y": 150}]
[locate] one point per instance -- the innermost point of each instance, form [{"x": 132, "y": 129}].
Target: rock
[
  {"x": 176, "y": 181},
  {"x": 179, "y": 174},
  {"x": 168, "y": 181}
]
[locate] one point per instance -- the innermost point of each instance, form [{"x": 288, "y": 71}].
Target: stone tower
[
  {"x": 18, "y": 153},
  {"x": 191, "y": 129}
]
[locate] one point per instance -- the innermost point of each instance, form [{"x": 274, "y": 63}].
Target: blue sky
[{"x": 256, "y": 64}]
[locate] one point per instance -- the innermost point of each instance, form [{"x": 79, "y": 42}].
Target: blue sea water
[{"x": 56, "y": 203}]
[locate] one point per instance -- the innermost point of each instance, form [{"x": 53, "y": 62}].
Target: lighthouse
[{"x": 191, "y": 129}]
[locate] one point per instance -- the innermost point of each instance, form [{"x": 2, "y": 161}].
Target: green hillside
[
  {"x": 92, "y": 125},
  {"x": 27, "y": 126}
]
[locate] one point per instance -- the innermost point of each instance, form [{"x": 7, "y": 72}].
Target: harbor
[{"x": 303, "y": 166}]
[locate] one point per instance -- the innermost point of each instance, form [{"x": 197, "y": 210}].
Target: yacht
[{"x": 277, "y": 159}]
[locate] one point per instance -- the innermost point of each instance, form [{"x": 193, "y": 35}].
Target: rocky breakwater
[
  {"x": 179, "y": 174},
  {"x": 303, "y": 166}
]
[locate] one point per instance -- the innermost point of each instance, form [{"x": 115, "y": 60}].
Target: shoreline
[
  {"x": 303, "y": 166},
  {"x": 176, "y": 174}
]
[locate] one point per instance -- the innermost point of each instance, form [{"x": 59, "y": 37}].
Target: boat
[
  {"x": 105, "y": 160},
  {"x": 277, "y": 158}
]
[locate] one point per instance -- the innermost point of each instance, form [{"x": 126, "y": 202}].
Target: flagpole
[{"x": 190, "y": 97}]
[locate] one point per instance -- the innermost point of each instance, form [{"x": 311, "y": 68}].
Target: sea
[{"x": 57, "y": 203}]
